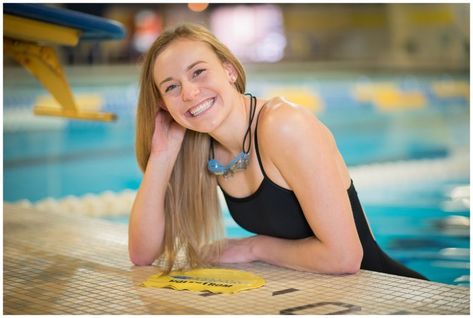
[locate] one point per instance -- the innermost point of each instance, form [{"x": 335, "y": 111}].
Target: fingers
[{"x": 162, "y": 118}]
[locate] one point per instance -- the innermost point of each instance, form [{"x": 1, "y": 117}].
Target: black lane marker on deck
[
  {"x": 402, "y": 312},
  {"x": 349, "y": 308},
  {"x": 284, "y": 291},
  {"x": 205, "y": 294}
]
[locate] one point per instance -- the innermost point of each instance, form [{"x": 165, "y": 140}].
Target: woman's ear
[{"x": 231, "y": 72}]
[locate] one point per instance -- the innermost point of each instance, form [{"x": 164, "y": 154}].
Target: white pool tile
[{"x": 57, "y": 264}]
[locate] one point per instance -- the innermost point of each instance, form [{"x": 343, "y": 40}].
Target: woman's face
[{"x": 196, "y": 87}]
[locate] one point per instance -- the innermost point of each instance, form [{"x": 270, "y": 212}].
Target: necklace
[{"x": 241, "y": 161}]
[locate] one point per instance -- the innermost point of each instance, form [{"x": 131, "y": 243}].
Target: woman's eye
[
  {"x": 198, "y": 72},
  {"x": 170, "y": 88}
]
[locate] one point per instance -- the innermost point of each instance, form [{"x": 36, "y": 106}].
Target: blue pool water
[{"x": 412, "y": 223}]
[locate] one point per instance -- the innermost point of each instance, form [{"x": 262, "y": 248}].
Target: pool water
[{"x": 417, "y": 222}]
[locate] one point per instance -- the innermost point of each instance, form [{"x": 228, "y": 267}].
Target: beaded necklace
[{"x": 241, "y": 161}]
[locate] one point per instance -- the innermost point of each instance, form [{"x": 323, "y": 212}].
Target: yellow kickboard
[{"x": 215, "y": 280}]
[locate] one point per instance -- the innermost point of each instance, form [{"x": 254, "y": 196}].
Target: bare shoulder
[{"x": 284, "y": 124}]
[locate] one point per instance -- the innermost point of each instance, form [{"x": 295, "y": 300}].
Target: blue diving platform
[{"x": 30, "y": 32}]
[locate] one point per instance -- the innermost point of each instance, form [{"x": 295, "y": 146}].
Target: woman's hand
[
  {"x": 238, "y": 251},
  {"x": 167, "y": 136}
]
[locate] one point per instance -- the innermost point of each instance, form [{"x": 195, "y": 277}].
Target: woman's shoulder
[
  {"x": 279, "y": 107},
  {"x": 284, "y": 124},
  {"x": 284, "y": 119}
]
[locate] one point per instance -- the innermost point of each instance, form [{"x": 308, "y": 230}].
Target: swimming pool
[{"x": 402, "y": 161}]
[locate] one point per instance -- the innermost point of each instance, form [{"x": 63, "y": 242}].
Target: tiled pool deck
[{"x": 58, "y": 264}]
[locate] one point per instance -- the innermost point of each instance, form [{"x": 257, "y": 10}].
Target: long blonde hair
[{"x": 192, "y": 212}]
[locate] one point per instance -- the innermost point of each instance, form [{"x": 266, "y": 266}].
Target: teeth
[{"x": 195, "y": 111}]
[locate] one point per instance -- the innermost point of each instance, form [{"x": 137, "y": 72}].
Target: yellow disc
[{"x": 215, "y": 280}]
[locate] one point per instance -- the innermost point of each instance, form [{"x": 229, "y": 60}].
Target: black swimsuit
[{"x": 275, "y": 211}]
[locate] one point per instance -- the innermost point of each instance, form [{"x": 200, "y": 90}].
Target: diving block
[{"x": 29, "y": 33}]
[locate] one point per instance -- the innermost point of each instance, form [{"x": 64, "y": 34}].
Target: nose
[{"x": 189, "y": 91}]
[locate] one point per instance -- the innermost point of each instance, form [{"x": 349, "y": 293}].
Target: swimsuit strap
[{"x": 256, "y": 145}]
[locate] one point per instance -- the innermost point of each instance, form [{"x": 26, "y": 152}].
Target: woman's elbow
[
  {"x": 350, "y": 267},
  {"x": 140, "y": 259},
  {"x": 350, "y": 261},
  {"x": 344, "y": 259}
]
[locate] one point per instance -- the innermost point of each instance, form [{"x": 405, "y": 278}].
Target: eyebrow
[{"x": 187, "y": 69}]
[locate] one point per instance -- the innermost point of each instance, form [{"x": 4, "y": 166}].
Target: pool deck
[{"x": 64, "y": 264}]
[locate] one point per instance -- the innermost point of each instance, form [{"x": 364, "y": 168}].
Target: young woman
[{"x": 279, "y": 168}]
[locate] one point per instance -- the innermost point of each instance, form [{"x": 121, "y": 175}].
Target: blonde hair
[{"x": 192, "y": 212}]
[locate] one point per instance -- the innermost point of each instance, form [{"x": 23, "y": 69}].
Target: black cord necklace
[{"x": 241, "y": 161}]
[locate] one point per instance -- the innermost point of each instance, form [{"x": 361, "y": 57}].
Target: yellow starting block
[{"x": 28, "y": 32}]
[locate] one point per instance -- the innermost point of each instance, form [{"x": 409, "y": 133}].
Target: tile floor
[{"x": 58, "y": 264}]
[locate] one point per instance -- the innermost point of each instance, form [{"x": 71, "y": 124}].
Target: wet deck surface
[{"x": 60, "y": 264}]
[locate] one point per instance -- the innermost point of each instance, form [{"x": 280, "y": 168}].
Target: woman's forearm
[
  {"x": 307, "y": 254},
  {"x": 147, "y": 221}
]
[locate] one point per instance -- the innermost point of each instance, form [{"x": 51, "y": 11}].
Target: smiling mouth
[{"x": 202, "y": 107}]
